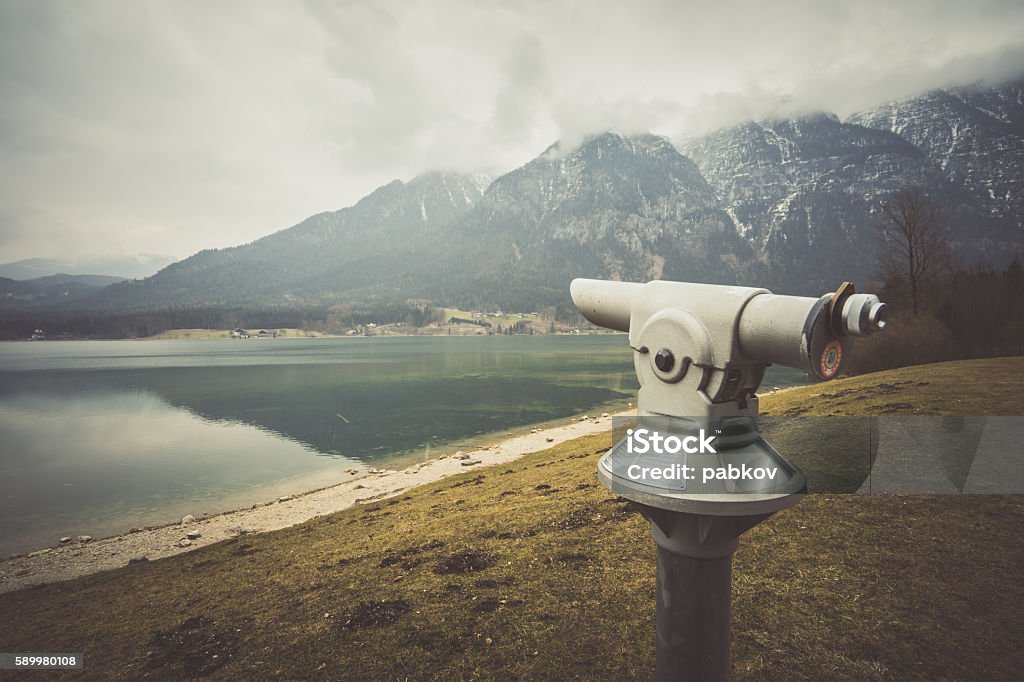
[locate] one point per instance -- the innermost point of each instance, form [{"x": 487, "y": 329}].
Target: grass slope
[{"x": 533, "y": 571}]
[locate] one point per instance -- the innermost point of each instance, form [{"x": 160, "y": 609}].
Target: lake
[{"x": 97, "y": 437}]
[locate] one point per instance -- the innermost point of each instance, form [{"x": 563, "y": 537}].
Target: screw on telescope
[{"x": 664, "y": 360}]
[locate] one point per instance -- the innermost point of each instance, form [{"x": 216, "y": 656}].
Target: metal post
[{"x": 693, "y": 617}]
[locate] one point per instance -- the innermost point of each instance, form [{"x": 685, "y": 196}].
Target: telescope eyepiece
[
  {"x": 863, "y": 314},
  {"x": 877, "y": 316}
]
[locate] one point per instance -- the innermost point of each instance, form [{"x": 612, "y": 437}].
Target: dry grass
[
  {"x": 970, "y": 388},
  {"x": 533, "y": 571}
]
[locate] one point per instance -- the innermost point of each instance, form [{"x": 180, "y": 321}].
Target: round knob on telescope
[{"x": 664, "y": 360}]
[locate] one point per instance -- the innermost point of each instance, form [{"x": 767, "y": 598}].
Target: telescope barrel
[
  {"x": 606, "y": 304},
  {"x": 772, "y": 328}
]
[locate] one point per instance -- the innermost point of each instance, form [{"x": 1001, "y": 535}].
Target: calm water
[{"x": 98, "y": 437}]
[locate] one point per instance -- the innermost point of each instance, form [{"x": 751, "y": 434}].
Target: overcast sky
[{"x": 168, "y": 127}]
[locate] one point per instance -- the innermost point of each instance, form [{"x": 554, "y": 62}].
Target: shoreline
[
  {"x": 386, "y": 334},
  {"x": 76, "y": 559}
]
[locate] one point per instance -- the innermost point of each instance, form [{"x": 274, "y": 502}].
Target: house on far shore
[{"x": 239, "y": 334}]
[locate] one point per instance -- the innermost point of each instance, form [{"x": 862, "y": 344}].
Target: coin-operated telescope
[{"x": 695, "y": 462}]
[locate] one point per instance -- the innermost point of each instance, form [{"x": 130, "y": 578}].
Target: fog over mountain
[
  {"x": 172, "y": 127},
  {"x": 789, "y": 203}
]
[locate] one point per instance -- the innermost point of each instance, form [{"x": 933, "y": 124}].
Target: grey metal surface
[{"x": 693, "y": 617}]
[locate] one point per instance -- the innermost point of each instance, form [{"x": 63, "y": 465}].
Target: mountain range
[
  {"x": 52, "y": 289},
  {"x": 791, "y": 204},
  {"x": 117, "y": 267}
]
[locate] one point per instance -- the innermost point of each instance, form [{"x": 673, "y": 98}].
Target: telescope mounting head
[{"x": 702, "y": 349}]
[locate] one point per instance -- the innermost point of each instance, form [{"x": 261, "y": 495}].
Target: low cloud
[{"x": 168, "y": 127}]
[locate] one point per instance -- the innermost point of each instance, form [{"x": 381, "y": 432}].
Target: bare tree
[{"x": 915, "y": 255}]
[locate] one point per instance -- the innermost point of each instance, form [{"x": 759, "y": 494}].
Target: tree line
[
  {"x": 120, "y": 324},
  {"x": 941, "y": 309}
]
